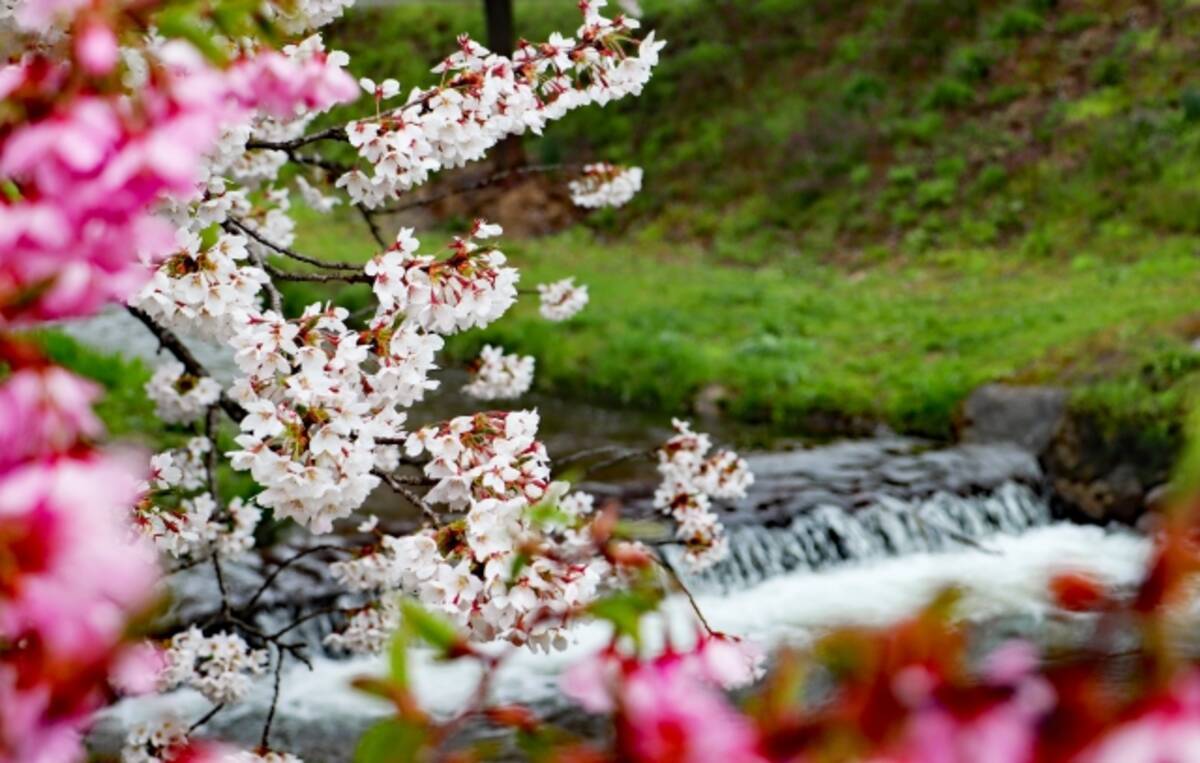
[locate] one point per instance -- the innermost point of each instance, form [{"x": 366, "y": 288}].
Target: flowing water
[{"x": 857, "y": 532}]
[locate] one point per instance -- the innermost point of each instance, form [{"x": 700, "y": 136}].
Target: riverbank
[{"x": 827, "y": 350}]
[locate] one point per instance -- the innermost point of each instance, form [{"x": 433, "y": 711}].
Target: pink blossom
[
  {"x": 670, "y": 709},
  {"x": 284, "y": 86},
  {"x": 1005, "y": 731},
  {"x": 45, "y": 410},
  {"x": 668, "y": 717},
  {"x": 1168, "y": 732},
  {"x": 137, "y": 669},
  {"x": 38, "y": 15},
  {"x": 71, "y": 575},
  {"x": 96, "y": 48}
]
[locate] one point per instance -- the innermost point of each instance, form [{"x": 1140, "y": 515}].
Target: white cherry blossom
[
  {"x": 561, "y": 300},
  {"x": 496, "y": 376}
]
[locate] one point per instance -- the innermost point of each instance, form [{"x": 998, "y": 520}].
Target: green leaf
[
  {"x": 398, "y": 658},
  {"x": 520, "y": 562},
  {"x": 625, "y": 610},
  {"x": 182, "y": 23},
  {"x": 436, "y": 630},
  {"x": 391, "y": 741}
]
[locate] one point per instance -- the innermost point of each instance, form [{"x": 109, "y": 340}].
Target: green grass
[
  {"x": 902, "y": 340},
  {"x": 859, "y": 212}
]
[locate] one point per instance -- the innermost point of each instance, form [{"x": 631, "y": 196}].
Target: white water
[{"x": 790, "y": 608}]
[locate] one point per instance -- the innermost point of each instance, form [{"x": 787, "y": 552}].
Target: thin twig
[
  {"x": 205, "y": 718},
  {"x": 269, "y": 579},
  {"x": 416, "y": 500},
  {"x": 310, "y": 616},
  {"x": 241, "y": 227},
  {"x": 331, "y": 133},
  {"x": 369, "y": 217},
  {"x": 210, "y": 458},
  {"x": 272, "y": 290},
  {"x": 478, "y": 184},
  {"x": 345, "y": 277},
  {"x": 266, "y": 732},
  {"x": 174, "y": 345},
  {"x": 225, "y": 610},
  {"x": 670, "y": 569},
  {"x": 628, "y": 455}
]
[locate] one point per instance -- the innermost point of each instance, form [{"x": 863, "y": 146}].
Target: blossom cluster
[
  {"x": 181, "y": 518},
  {"x": 180, "y": 397},
  {"x": 70, "y": 575},
  {"x": 469, "y": 289},
  {"x": 491, "y": 467},
  {"x": 671, "y": 707},
  {"x": 605, "y": 185},
  {"x": 219, "y": 666},
  {"x": 496, "y": 376},
  {"x": 485, "y": 97},
  {"x": 488, "y": 456},
  {"x": 167, "y": 741},
  {"x": 561, "y": 300},
  {"x": 316, "y": 406},
  {"x": 93, "y": 170},
  {"x": 204, "y": 290},
  {"x": 690, "y": 479}
]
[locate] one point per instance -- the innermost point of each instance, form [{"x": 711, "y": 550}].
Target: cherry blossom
[
  {"x": 670, "y": 708},
  {"x": 690, "y": 479},
  {"x": 489, "y": 455},
  {"x": 561, "y": 300},
  {"x": 179, "y": 397},
  {"x": 46, "y": 410},
  {"x": 205, "y": 290},
  {"x": 605, "y": 185},
  {"x": 486, "y": 97},
  {"x": 219, "y": 666},
  {"x": 470, "y": 289},
  {"x": 496, "y": 376}
]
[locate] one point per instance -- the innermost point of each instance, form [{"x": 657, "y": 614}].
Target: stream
[{"x": 847, "y": 533}]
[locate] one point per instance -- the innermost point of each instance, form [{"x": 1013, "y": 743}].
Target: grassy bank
[
  {"x": 817, "y": 346},
  {"x": 858, "y": 212}
]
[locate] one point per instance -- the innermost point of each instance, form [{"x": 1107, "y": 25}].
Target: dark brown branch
[
  {"x": 310, "y": 616},
  {"x": 265, "y": 741},
  {"x": 241, "y": 227},
  {"x": 344, "y": 277},
  {"x": 168, "y": 341},
  {"x": 331, "y": 133},
  {"x": 679, "y": 584},
  {"x": 328, "y": 165},
  {"x": 620, "y": 458},
  {"x": 205, "y": 718},
  {"x": 478, "y": 184},
  {"x": 398, "y": 487},
  {"x": 266, "y": 584},
  {"x": 272, "y": 290},
  {"x": 369, "y": 217}
]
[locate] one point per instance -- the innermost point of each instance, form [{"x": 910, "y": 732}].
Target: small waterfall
[{"x": 829, "y": 535}]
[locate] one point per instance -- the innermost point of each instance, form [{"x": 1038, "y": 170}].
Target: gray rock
[{"x": 1024, "y": 416}]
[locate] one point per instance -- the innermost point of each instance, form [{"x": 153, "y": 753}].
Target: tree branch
[
  {"x": 174, "y": 345},
  {"x": 334, "y": 265},
  {"x": 397, "y": 486},
  {"x": 267, "y": 581},
  {"x": 264, "y": 742},
  {"x": 331, "y": 133},
  {"x": 479, "y": 184},
  {"x": 346, "y": 277},
  {"x": 670, "y": 569},
  {"x": 368, "y": 216}
]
